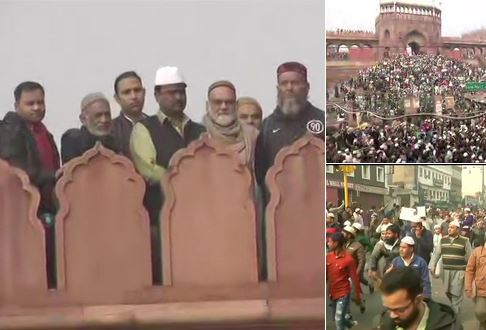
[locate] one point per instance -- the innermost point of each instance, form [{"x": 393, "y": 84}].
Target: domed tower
[{"x": 412, "y": 26}]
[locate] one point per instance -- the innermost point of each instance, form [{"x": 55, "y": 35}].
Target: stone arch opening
[
  {"x": 414, "y": 42},
  {"x": 387, "y": 35},
  {"x": 343, "y": 49}
]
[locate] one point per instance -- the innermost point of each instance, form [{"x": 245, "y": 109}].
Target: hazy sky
[
  {"x": 458, "y": 16},
  {"x": 76, "y": 47}
]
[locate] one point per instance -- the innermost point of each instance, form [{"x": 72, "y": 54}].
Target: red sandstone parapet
[
  {"x": 22, "y": 242},
  {"x": 102, "y": 229},
  {"x": 208, "y": 222},
  {"x": 295, "y": 217}
]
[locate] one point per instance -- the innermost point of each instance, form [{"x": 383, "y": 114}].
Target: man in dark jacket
[
  {"x": 130, "y": 95},
  {"x": 477, "y": 234},
  {"x": 293, "y": 118},
  {"x": 96, "y": 119},
  {"x": 424, "y": 240},
  {"x": 405, "y": 307},
  {"x": 27, "y": 144}
]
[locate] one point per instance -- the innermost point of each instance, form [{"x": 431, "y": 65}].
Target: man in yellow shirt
[{"x": 155, "y": 139}]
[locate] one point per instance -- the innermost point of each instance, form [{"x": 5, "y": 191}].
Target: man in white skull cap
[{"x": 455, "y": 251}]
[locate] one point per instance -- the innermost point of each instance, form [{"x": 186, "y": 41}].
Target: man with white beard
[
  {"x": 293, "y": 118},
  {"x": 222, "y": 124}
]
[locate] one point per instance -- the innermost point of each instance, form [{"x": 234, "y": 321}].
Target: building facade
[
  {"x": 366, "y": 185},
  {"x": 424, "y": 184},
  {"x": 403, "y": 27}
]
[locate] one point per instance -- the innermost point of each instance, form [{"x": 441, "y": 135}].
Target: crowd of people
[
  {"x": 149, "y": 141},
  {"x": 389, "y": 137},
  {"x": 399, "y": 258},
  {"x": 351, "y": 31}
]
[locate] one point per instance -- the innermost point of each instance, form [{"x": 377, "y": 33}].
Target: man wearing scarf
[
  {"x": 26, "y": 143},
  {"x": 221, "y": 121}
]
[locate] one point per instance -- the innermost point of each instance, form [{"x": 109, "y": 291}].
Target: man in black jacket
[
  {"x": 424, "y": 239},
  {"x": 293, "y": 118},
  {"x": 27, "y": 144},
  {"x": 96, "y": 119},
  {"x": 130, "y": 95},
  {"x": 405, "y": 307}
]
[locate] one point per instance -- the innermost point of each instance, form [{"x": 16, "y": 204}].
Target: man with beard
[
  {"x": 340, "y": 268},
  {"x": 424, "y": 239},
  {"x": 250, "y": 112},
  {"x": 384, "y": 252},
  {"x": 222, "y": 124},
  {"x": 408, "y": 258},
  {"x": 155, "y": 139},
  {"x": 477, "y": 234},
  {"x": 293, "y": 118},
  {"x": 96, "y": 119},
  {"x": 455, "y": 251},
  {"x": 405, "y": 308},
  {"x": 130, "y": 95}
]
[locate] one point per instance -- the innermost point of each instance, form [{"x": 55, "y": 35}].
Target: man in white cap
[
  {"x": 408, "y": 258},
  {"x": 357, "y": 215},
  {"x": 455, "y": 251},
  {"x": 424, "y": 240},
  {"x": 155, "y": 139}
]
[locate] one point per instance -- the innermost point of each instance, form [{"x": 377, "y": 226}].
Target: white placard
[{"x": 408, "y": 213}]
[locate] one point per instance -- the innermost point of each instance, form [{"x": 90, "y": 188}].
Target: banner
[
  {"x": 421, "y": 212},
  {"x": 408, "y": 213}
]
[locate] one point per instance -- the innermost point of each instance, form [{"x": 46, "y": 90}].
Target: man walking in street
[
  {"x": 340, "y": 268},
  {"x": 455, "y": 251},
  {"x": 477, "y": 234},
  {"x": 424, "y": 240},
  {"x": 408, "y": 258},
  {"x": 384, "y": 252},
  {"x": 476, "y": 272},
  {"x": 405, "y": 308}
]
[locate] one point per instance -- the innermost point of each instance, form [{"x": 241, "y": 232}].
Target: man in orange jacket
[{"x": 476, "y": 271}]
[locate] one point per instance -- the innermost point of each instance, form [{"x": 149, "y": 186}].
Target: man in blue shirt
[{"x": 408, "y": 258}]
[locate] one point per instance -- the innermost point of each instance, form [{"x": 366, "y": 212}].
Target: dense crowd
[
  {"x": 373, "y": 247},
  {"x": 380, "y": 90}
]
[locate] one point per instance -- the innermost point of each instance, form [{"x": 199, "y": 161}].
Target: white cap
[
  {"x": 385, "y": 227},
  {"x": 331, "y": 215},
  {"x": 408, "y": 240},
  {"x": 467, "y": 209},
  {"x": 437, "y": 227},
  {"x": 168, "y": 75},
  {"x": 357, "y": 209},
  {"x": 357, "y": 226},
  {"x": 350, "y": 230},
  {"x": 454, "y": 223},
  {"x": 347, "y": 223}
]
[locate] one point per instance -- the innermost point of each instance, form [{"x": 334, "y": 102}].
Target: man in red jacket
[{"x": 340, "y": 266}]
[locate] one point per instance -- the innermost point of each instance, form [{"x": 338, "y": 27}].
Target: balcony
[{"x": 211, "y": 246}]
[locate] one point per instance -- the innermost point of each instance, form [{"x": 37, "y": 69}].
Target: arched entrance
[
  {"x": 414, "y": 48},
  {"x": 415, "y": 41}
]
